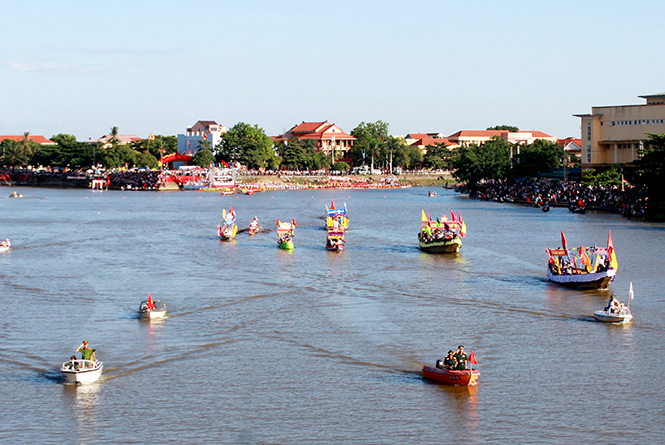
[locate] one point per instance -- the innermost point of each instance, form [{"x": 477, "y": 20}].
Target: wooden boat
[
  {"x": 335, "y": 241},
  {"x": 254, "y": 227},
  {"x": 441, "y": 235},
  {"x": 81, "y": 371},
  {"x": 466, "y": 377},
  {"x": 584, "y": 267},
  {"x": 5, "y": 245},
  {"x": 616, "y": 312},
  {"x": 152, "y": 308},
  {"x": 336, "y": 219},
  {"x": 285, "y": 234},
  {"x": 227, "y": 231}
]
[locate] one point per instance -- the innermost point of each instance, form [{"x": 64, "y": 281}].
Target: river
[{"x": 267, "y": 346}]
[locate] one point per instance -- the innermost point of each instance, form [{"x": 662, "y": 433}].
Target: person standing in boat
[
  {"x": 86, "y": 352},
  {"x": 460, "y": 358},
  {"x": 449, "y": 362}
]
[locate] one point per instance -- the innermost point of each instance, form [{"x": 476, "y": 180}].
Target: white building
[{"x": 211, "y": 131}]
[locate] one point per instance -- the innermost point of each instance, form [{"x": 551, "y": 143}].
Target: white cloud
[{"x": 51, "y": 68}]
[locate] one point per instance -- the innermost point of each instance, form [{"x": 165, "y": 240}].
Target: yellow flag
[{"x": 424, "y": 218}]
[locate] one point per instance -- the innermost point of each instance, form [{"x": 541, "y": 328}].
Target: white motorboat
[
  {"x": 616, "y": 312},
  {"x": 158, "y": 309},
  {"x": 608, "y": 317},
  {"x": 5, "y": 245},
  {"x": 81, "y": 371}
]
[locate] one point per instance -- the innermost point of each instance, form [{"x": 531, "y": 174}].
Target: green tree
[
  {"x": 340, "y": 166},
  {"x": 649, "y": 168},
  {"x": 12, "y": 155},
  {"x": 114, "y": 136},
  {"x": 539, "y": 157},
  {"x": 490, "y": 160},
  {"x": 294, "y": 155},
  {"x": 248, "y": 145},
  {"x": 370, "y": 139},
  {"x": 203, "y": 158},
  {"x": 607, "y": 177},
  {"x": 118, "y": 156},
  {"x": 437, "y": 156},
  {"x": 511, "y": 128},
  {"x": 146, "y": 159}
]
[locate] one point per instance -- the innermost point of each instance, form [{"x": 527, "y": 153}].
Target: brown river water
[{"x": 265, "y": 346}]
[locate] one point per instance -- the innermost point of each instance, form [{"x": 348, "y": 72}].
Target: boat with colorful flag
[
  {"x": 5, "y": 245},
  {"x": 336, "y": 219},
  {"x": 615, "y": 311},
  {"x": 285, "y": 234},
  {"x": 441, "y": 235},
  {"x": 456, "y": 377},
  {"x": 227, "y": 231},
  {"x": 584, "y": 267},
  {"x": 152, "y": 308},
  {"x": 335, "y": 241},
  {"x": 254, "y": 227}
]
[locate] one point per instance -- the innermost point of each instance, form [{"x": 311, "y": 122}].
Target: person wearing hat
[
  {"x": 460, "y": 358},
  {"x": 86, "y": 352},
  {"x": 449, "y": 362}
]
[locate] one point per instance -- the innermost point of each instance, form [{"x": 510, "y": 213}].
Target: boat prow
[
  {"x": 158, "y": 311},
  {"x": 82, "y": 371},
  {"x": 468, "y": 377}
]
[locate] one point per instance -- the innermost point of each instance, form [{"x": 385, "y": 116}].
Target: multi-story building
[
  {"x": 210, "y": 131},
  {"x": 324, "y": 134},
  {"x": 614, "y": 134},
  {"x": 479, "y": 137}
]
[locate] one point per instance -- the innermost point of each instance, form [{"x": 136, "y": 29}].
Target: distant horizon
[{"x": 432, "y": 66}]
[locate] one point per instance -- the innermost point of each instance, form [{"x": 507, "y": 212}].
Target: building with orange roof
[
  {"x": 479, "y": 137},
  {"x": 423, "y": 140},
  {"x": 324, "y": 134},
  {"x": 615, "y": 134},
  {"x": 200, "y": 131},
  {"x": 41, "y": 140},
  {"x": 123, "y": 139}
]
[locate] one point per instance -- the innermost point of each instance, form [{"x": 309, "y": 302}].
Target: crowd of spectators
[
  {"x": 135, "y": 180},
  {"x": 629, "y": 200}
]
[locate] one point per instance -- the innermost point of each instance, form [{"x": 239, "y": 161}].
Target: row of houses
[{"x": 610, "y": 134}]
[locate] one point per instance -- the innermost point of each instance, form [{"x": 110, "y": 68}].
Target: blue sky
[{"x": 422, "y": 66}]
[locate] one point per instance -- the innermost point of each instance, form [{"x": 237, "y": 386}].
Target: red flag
[
  {"x": 205, "y": 137},
  {"x": 151, "y": 305},
  {"x": 472, "y": 358},
  {"x": 563, "y": 241},
  {"x": 332, "y": 204},
  {"x": 293, "y": 220},
  {"x": 609, "y": 241},
  {"x": 452, "y": 212},
  {"x": 460, "y": 217}
]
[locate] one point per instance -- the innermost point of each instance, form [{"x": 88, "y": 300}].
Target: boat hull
[
  {"x": 287, "y": 245},
  {"x": 86, "y": 375},
  {"x": 607, "y": 317},
  {"x": 467, "y": 377},
  {"x": 335, "y": 248},
  {"x": 4, "y": 248},
  {"x": 598, "y": 280},
  {"x": 441, "y": 246}
]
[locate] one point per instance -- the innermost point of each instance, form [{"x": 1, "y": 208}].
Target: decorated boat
[
  {"x": 336, "y": 219},
  {"x": 152, "y": 308},
  {"x": 81, "y": 371},
  {"x": 335, "y": 241},
  {"x": 616, "y": 312},
  {"x": 584, "y": 267},
  {"x": 285, "y": 234},
  {"x": 227, "y": 231},
  {"x": 5, "y": 245},
  {"x": 441, "y": 235},
  {"x": 254, "y": 227}
]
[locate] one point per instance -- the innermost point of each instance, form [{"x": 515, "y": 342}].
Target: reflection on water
[{"x": 84, "y": 401}]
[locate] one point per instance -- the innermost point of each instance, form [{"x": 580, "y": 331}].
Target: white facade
[{"x": 188, "y": 143}]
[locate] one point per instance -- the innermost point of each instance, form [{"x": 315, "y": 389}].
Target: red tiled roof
[
  {"x": 37, "y": 138},
  {"x": 536, "y": 134},
  {"x": 477, "y": 133},
  {"x": 426, "y": 140},
  {"x": 309, "y": 127}
]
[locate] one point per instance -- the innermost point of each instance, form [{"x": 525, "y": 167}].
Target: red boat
[{"x": 467, "y": 377}]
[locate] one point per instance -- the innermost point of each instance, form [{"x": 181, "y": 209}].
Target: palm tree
[
  {"x": 26, "y": 146},
  {"x": 114, "y": 136},
  {"x": 13, "y": 155}
]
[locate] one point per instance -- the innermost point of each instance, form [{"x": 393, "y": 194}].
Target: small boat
[
  {"x": 152, "y": 308},
  {"x": 467, "y": 377},
  {"x": 336, "y": 219},
  {"x": 616, "y": 312},
  {"x": 583, "y": 268},
  {"x": 285, "y": 234},
  {"x": 335, "y": 241},
  {"x": 15, "y": 195},
  {"x": 81, "y": 371},
  {"x": 432, "y": 194},
  {"x": 5, "y": 245},
  {"x": 254, "y": 227},
  {"x": 227, "y": 231},
  {"x": 442, "y": 235},
  {"x": 247, "y": 191}
]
